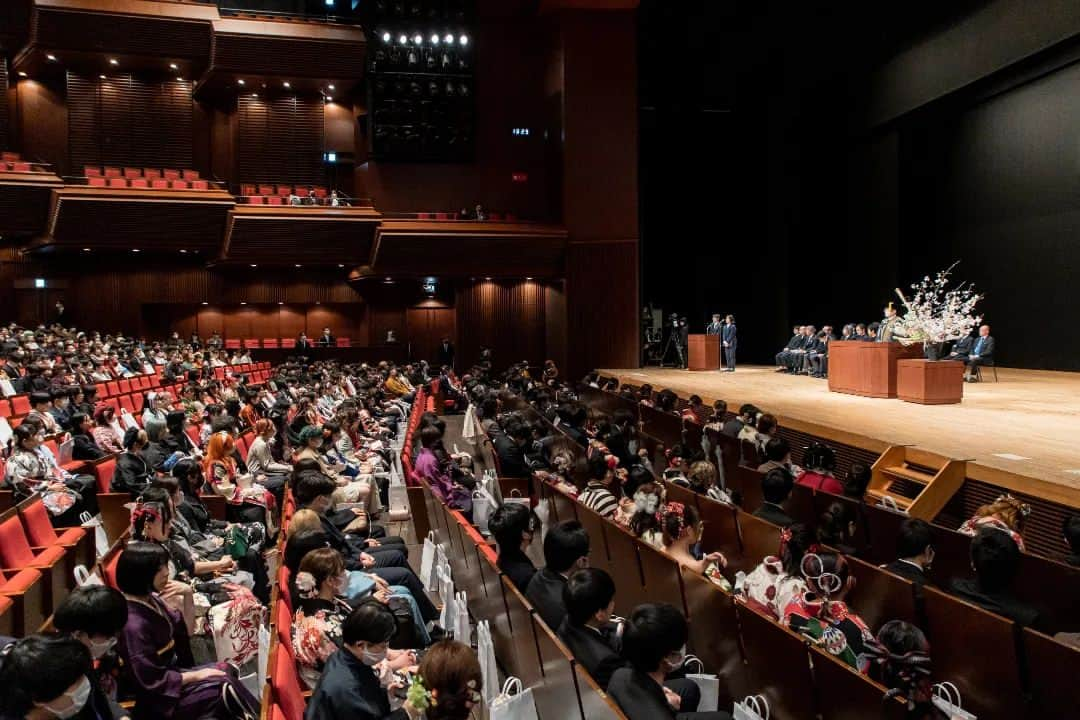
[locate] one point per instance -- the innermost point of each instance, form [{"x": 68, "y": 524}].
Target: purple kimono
[
  {"x": 156, "y": 649},
  {"x": 427, "y": 467}
]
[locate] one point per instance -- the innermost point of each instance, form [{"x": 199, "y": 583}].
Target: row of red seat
[
  {"x": 275, "y": 343},
  {"x": 133, "y": 172},
  {"x": 494, "y": 217},
  {"x": 147, "y": 183},
  {"x": 251, "y": 190}
]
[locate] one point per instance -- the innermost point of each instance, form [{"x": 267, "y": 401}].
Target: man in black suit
[
  {"x": 327, "y": 338},
  {"x": 783, "y": 356},
  {"x": 302, "y": 342},
  {"x": 915, "y": 553},
  {"x": 729, "y": 339},
  {"x": 961, "y": 348},
  {"x": 715, "y": 327},
  {"x": 996, "y": 560},
  {"x": 982, "y": 353},
  {"x": 445, "y": 355},
  {"x": 510, "y": 448},
  {"x": 588, "y": 631},
  {"x": 775, "y": 488},
  {"x": 566, "y": 549}
]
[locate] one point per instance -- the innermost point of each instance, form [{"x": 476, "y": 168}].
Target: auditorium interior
[{"x": 433, "y": 359}]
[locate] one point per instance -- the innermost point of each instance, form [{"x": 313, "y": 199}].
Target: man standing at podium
[
  {"x": 715, "y": 327},
  {"x": 729, "y": 339},
  {"x": 888, "y": 326}
]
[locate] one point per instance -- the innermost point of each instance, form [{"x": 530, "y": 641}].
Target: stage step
[
  {"x": 909, "y": 473},
  {"x": 919, "y": 482}
]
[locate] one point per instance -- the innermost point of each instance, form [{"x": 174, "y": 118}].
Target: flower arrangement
[{"x": 937, "y": 313}]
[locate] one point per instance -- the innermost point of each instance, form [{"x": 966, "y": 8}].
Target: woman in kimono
[
  {"x": 247, "y": 501},
  {"x": 28, "y": 473},
  {"x": 156, "y": 649}
]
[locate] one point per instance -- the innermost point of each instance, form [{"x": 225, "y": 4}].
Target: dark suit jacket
[
  {"x": 638, "y": 695},
  {"x": 774, "y": 514},
  {"x": 730, "y": 335},
  {"x": 511, "y": 458},
  {"x": 713, "y": 329},
  {"x": 593, "y": 652},
  {"x": 909, "y": 571},
  {"x": 962, "y": 347},
  {"x": 445, "y": 355},
  {"x": 350, "y": 690},
  {"x": 986, "y": 352},
  {"x": 85, "y": 448},
  {"x": 545, "y": 593},
  {"x": 327, "y": 340},
  {"x": 517, "y": 566},
  {"x": 1005, "y": 604}
]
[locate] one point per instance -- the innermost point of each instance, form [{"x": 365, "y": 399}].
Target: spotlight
[
  {"x": 254, "y": 265},
  {"x": 434, "y": 38},
  {"x": 206, "y": 303},
  {"x": 341, "y": 265},
  {"x": 402, "y": 39},
  {"x": 135, "y": 250},
  {"x": 51, "y": 57},
  {"x": 418, "y": 38},
  {"x": 386, "y": 37},
  {"x": 254, "y": 95},
  {"x": 298, "y": 265},
  {"x": 329, "y": 98},
  {"x": 114, "y": 61},
  {"x": 329, "y": 87},
  {"x": 243, "y": 303},
  {"x": 183, "y": 251},
  {"x": 174, "y": 66},
  {"x": 281, "y": 303},
  {"x": 179, "y": 79},
  {"x": 239, "y": 82},
  {"x": 23, "y": 74},
  {"x": 86, "y": 249},
  {"x": 448, "y": 39},
  {"x": 463, "y": 40},
  {"x": 101, "y": 76},
  {"x": 286, "y": 84}
]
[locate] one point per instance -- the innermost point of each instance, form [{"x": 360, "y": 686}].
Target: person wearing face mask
[
  {"x": 352, "y": 682},
  {"x": 94, "y": 615},
  {"x": 566, "y": 549},
  {"x": 51, "y": 677},
  {"x": 319, "y": 589},
  {"x": 514, "y": 527},
  {"x": 654, "y": 643},
  {"x": 156, "y": 649}
]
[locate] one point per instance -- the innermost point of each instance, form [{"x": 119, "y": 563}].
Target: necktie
[{"x": 978, "y": 346}]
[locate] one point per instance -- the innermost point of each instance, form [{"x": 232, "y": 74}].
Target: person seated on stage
[
  {"x": 566, "y": 549},
  {"x": 820, "y": 461},
  {"x": 766, "y": 427},
  {"x": 778, "y": 455},
  {"x": 778, "y": 579},
  {"x": 1006, "y": 514},
  {"x": 872, "y": 331},
  {"x": 796, "y": 358},
  {"x": 783, "y": 356},
  {"x": 775, "y": 489},
  {"x": 914, "y": 552},
  {"x": 1070, "y": 528},
  {"x": 982, "y": 353},
  {"x": 654, "y": 643},
  {"x": 996, "y": 560},
  {"x": 597, "y": 495},
  {"x": 821, "y": 614},
  {"x": 836, "y": 528},
  {"x": 696, "y": 411},
  {"x": 514, "y": 526},
  {"x": 857, "y": 480},
  {"x": 682, "y": 528},
  {"x": 961, "y": 349},
  {"x": 847, "y": 333},
  {"x": 819, "y": 358},
  {"x": 746, "y": 417}
]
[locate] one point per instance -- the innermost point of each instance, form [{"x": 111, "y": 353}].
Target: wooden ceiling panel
[
  {"x": 124, "y": 28},
  {"x": 24, "y": 201},
  {"x": 300, "y": 235}
]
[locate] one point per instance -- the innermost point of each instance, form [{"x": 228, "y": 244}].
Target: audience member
[
  {"x": 681, "y": 527},
  {"x": 566, "y": 549},
  {"x": 1006, "y": 514},
  {"x": 775, "y": 489},
  {"x": 857, "y": 480},
  {"x": 914, "y": 552},
  {"x": 1070, "y": 528},
  {"x": 52, "y": 676},
  {"x": 819, "y": 462},
  {"x": 995, "y": 557},
  {"x": 778, "y": 580},
  {"x": 597, "y": 495},
  {"x": 514, "y": 526}
]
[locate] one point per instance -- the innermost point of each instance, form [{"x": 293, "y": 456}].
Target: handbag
[
  {"x": 427, "y": 562},
  {"x": 236, "y": 543},
  {"x": 708, "y": 684},
  {"x": 446, "y": 594},
  {"x": 754, "y": 707},
  {"x": 101, "y": 539},
  {"x": 485, "y": 652},
  {"x": 462, "y": 630},
  {"x": 513, "y": 703},
  {"x": 946, "y": 698},
  {"x": 482, "y": 503}
]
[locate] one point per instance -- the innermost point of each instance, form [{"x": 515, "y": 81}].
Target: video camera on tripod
[{"x": 676, "y": 328}]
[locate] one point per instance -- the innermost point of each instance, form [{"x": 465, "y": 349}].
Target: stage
[{"x": 1018, "y": 433}]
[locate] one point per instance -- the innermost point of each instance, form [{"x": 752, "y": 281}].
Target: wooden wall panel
[
  {"x": 237, "y": 323},
  {"x": 210, "y": 320},
  {"x": 507, "y": 316},
  {"x": 42, "y": 120},
  {"x": 602, "y": 306},
  {"x": 127, "y": 120},
  {"x": 383, "y": 318},
  {"x": 425, "y": 327},
  {"x": 5, "y": 124},
  {"x": 280, "y": 139},
  {"x": 290, "y": 321}
]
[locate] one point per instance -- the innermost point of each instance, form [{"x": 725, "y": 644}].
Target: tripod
[{"x": 674, "y": 342}]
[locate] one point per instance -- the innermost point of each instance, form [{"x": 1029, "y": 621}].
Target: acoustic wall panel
[{"x": 280, "y": 139}]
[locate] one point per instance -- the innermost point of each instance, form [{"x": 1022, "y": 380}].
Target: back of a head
[
  {"x": 915, "y": 536},
  {"x": 795, "y": 540},
  {"x": 303, "y": 520},
  {"x": 996, "y": 559},
  {"x": 451, "y": 671},
  {"x": 858, "y": 478},
  {"x": 371, "y": 622},
  {"x": 766, "y": 423},
  {"x": 154, "y": 429},
  {"x": 587, "y": 592},
  {"x": 39, "y": 669},
  {"x": 776, "y": 485},
  {"x": 137, "y": 565},
  {"x": 598, "y": 467},
  {"x": 906, "y": 663},
  {"x": 564, "y": 544},
  {"x": 1008, "y": 510},
  {"x": 300, "y": 544},
  {"x": 777, "y": 449},
  {"x": 507, "y": 524},
  {"x": 825, "y": 572},
  {"x": 653, "y": 632},
  {"x": 96, "y": 610},
  {"x": 1070, "y": 528},
  {"x": 833, "y": 526},
  {"x": 677, "y": 520},
  {"x": 313, "y": 485},
  {"x": 702, "y": 475},
  {"x": 429, "y": 436},
  {"x": 820, "y": 457}
]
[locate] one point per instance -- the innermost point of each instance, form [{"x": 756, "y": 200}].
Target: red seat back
[
  {"x": 35, "y": 519},
  {"x": 104, "y": 471},
  {"x": 20, "y": 405},
  {"x": 15, "y": 549},
  {"x": 285, "y": 684}
]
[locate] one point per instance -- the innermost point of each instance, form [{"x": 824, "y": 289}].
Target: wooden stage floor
[{"x": 1022, "y": 432}]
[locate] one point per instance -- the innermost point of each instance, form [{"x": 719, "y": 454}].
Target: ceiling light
[
  {"x": 329, "y": 98},
  {"x": 402, "y": 39},
  {"x": 22, "y": 73},
  {"x": 51, "y": 57},
  {"x": 254, "y": 265},
  {"x": 135, "y": 250},
  {"x": 281, "y": 303},
  {"x": 329, "y": 87},
  {"x": 487, "y": 279},
  {"x": 254, "y": 95},
  {"x": 463, "y": 40},
  {"x": 286, "y": 84},
  {"x": 114, "y": 61},
  {"x": 389, "y": 279},
  {"x": 243, "y": 303},
  {"x": 318, "y": 303},
  {"x": 418, "y": 38},
  {"x": 528, "y": 278},
  {"x": 434, "y": 38},
  {"x": 174, "y": 66},
  {"x": 183, "y": 251},
  {"x": 101, "y": 76},
  {"x": 239, "y": 82},
  {"x": 206, "y": 303},
  {"x": 179, "y": 79},
  {"x": 386, "y": 37},
  {"x": 448, "y": 39},
  {"x": 341, "y": 265},
  {"x": 299, "y": 265},
  {"x": 86, "y": 249}
]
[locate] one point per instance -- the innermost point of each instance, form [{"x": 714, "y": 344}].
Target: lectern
[
  {"x": 704, "y": 352},
  {"x": 867, "y": 368}
]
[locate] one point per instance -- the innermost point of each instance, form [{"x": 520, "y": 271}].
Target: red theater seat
[
  {"x": 9, "y": 157},
  {"x": 151, "y": 173},
  {"x": 285, "y": 684},
  {"x": 140, "y": 182},
  {"x": 159, "y": 184},
  {"x": 266, "y": 189},
  {"x": 191, "y": 174},
  {"x": 96, "y": 181},
  {"x": 320, "y": 192},
  {"x": 424, "y": 216},
  {"x": 179, "y": 184},
  {"x": 284, "y": 190},
  {"x": 251, "y": 343},
  {"x": 118, "y": 182},
  {"x": 200, "y": 185},
  {"x": 170, "y": 174},
  {"x": 92, "y": 171},
  {"x": 247, "y": 189},
  {"x": 112, "y": 172},
  {"x": 132, "y": 172},
  {"x": 270, "y": 342},
  {"x": 288, "y": 343},
  {"x": 275, "y": 200},
  {"x": 21, "y": 167},
  {"x": 103, "y": 472},
  {"x": 344, "y": 342},
  {"x": 232, "y": 344},
  {"x": 20, "y": 405},
  {"x": 256, "y": 199}
]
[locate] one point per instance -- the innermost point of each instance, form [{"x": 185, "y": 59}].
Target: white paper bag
[
  {"x": 754, "y": 707},
  {"x": 485, "y": 651},
  {"x": 708, "y": 684},
  {"x": 85, "y": 578},
  {"x": 101, "y": 539},
  {"x": 482, "y": 507},
  {"x": 6, "y": 432},
  {"x": 264, "y": 656},
  {"x": 462, "y": 629},
  {"x": 543, "y": 511},
  {"x": 446, "y": 594},
  {"x": 6, "y": 387},
  {"x": 516, "y": 497},
  {"x": 947, "y": 700},
  {"x": 468, "y": 430},
  {"x": 427, "y": 562},
  {"x": 66, "y": 449},
  {"x": 513, "y": 703},
  {"x": 128, "y": 420}
]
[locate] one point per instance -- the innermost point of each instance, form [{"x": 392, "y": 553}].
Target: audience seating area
[
  {"x": 278, "y": 193},
  {"x": 13, "y": 162},
  {"x": 145, "y": 178},
  {"x": 275, "y": 343}
]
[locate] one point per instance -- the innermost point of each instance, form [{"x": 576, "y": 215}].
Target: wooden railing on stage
[{"x": 866, "y": 368}]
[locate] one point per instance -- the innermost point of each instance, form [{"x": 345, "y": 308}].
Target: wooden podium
[
  {"x": 858, "y": 367},
  {"x": 930, "y": 383},
  {"x": 704, "y": 352}
]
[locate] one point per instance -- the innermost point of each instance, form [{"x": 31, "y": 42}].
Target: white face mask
[
  {"x": 69, "y": 704},
  {"x": 372, "y": 658},
  {"x": 676, "y": 659},
  {"x": 99, "y": 649}
]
